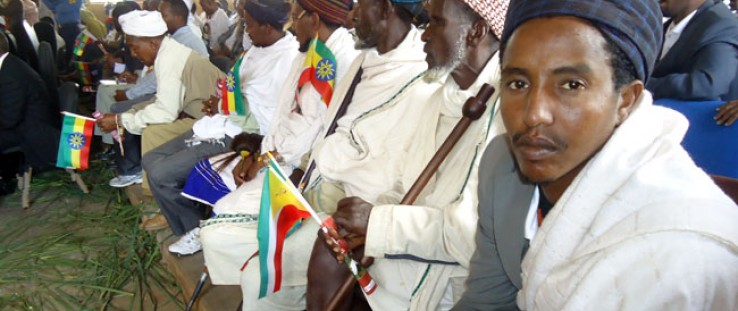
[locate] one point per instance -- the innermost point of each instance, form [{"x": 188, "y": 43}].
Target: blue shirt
[
  {"x": 66, "y": 11},
  {"x": 186, "y": 37}
]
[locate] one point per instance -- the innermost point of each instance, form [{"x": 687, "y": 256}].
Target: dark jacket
[
  {"x": 703, "y": 63},
  {"x": 27, "y": 112}
]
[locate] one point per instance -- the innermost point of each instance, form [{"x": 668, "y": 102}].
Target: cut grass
[{"x": 75, "y": 251}]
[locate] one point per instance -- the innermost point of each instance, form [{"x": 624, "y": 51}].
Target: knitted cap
[{"x": 334, "y": 11}]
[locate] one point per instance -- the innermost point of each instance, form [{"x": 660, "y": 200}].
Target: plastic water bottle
[{"x": 98, "y": 115}]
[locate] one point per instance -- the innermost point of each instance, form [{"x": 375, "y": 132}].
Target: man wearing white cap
[
  {"x": 422, "y": 252},
  {"x": 185, "y": 79}
]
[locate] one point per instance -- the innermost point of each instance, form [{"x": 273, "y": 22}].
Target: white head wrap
[{"x": 143, "y": 23}]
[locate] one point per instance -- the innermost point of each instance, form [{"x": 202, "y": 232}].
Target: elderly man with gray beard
[{"x": 422, "y": 252}]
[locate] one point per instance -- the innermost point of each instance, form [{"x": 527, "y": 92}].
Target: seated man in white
[
  {"x": 229, "y": 238},
  {"x": 618, "y": 215}
]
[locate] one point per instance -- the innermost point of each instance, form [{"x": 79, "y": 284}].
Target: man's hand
[
  {"x": 352, "y": 215},
  {"x": 727, "y": 113},
  {"x": 120, "y": 95},
  {"x": 128, "y": 77},
  {"x": 240, "y": 172},
  {"x": 107, "y": 122},
  {"x": 210, "y": 106},
  {"x": 296, "y": 176}
]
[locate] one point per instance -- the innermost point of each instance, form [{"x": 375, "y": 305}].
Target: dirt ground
[{"x": 76, "y": 251}]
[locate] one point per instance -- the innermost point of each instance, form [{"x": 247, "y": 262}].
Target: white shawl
[
  {"x": 366, "y": 152},
  {"x": 440, "y": 226},
  {"x": 293, "y": 133},
  {"x": 263, "y": 73},
  {"x": 640, "y": 228}
]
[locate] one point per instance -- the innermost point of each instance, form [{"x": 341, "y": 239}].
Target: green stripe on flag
[
  {"x": 64, "y": 155},
  {"x": 262, "y": 235},
  {"x": 324, "y": 51},
  {"x": 237, "y": 96}
]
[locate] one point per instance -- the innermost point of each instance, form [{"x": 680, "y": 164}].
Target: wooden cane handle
[{"x": 473, "y": 109}]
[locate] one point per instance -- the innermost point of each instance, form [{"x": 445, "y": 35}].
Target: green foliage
[{"x": 75, "y": 251}]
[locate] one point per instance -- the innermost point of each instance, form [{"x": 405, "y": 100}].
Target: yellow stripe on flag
[
  {"x": 231, "y": 103},
  {"x": 79, "y": 127}
]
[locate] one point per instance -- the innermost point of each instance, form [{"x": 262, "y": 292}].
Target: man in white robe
[
  {"x": 386, "y": 104},
  {"x": 627, "y": 221},
  {"x": 229, "y": 238},
  {"x": 263, "y": 67},
  {"x": 215, "y": 23},
  {"x": 422, "y": 251}
]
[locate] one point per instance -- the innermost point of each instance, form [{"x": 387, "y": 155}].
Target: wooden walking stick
[
  {"x": 198, "y": 289},
  {"x": 473, "y": 110}
]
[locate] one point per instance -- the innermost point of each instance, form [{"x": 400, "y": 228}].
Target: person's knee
[{"x": 154, "y": 168}]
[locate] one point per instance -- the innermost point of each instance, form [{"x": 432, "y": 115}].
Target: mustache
[{"x": 538, "y": 138}]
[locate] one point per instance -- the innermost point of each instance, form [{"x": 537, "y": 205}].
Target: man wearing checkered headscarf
[{"x": 421, "y": 252}]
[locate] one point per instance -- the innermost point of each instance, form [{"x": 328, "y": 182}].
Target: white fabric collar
[
  {"x": 531, "y": 220},
  {"x": 2, "y": 59},
  {"x": 677, "y": 28}
]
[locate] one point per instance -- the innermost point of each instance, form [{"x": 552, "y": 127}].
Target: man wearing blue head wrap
[{"x": 630, "y": 222}]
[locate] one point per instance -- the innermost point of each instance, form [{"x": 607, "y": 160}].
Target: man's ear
[
  {"x": 386, "y": 8},
  {"x": 629, "y": 96},
  {"x": 477, "y": 32},
  {"x": 315, "y": 22}
]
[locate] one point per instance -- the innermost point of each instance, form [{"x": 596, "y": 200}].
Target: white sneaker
[
  {"x": 188, "y": 244},
  {"x": 126, "y": 180}
]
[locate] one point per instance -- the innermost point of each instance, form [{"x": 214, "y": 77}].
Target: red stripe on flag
[
  {"x": 288, "y": 216},
  {"x": 224, "y": 98},
  {"x": 84, "y": 154}
]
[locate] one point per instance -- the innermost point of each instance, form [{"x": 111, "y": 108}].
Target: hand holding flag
[{"x": 282, "y": 209}]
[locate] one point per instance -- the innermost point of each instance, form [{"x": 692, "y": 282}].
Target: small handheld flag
[
  {"x": 231, "y": 100},
  {"x": 82, "y": 41},
  {"x": 282, "y": 209},
  {"x": 83, "y": 69},
  {"x": 320, "y": 70},
  {"x": 75, "y": 141}
]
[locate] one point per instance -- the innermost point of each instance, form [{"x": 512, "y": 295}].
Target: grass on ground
[{"x": 75, "y": 251}]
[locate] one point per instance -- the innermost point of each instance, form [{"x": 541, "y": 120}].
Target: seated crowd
[{"x": 567, "y": 188}]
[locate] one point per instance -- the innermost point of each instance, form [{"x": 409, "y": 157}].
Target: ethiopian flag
[
  {"x": 282, "y": 210},
  {"x": 232, "y": 100},
  {"x": 83, "y": 69},
  {"x": 75, "y": 140},
  {"x": 82, "y": 41},
  {"x": 320, "y": 70}
]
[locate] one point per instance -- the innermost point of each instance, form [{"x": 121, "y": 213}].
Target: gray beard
[{"x": 439, "y": 72}]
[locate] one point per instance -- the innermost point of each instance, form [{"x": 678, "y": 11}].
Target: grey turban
[{"x": 633, "y": 25}]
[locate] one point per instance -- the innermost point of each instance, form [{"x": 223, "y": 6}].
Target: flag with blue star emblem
[
  {"x": 75, "y": 141},
  {"x": 320, "y": 70}
]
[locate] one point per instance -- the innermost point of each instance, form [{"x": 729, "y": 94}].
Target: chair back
[
  {"x": 68, "y": 96},
  {"x": 47, "y": 70},
  {"x": 45, "y": 33},
  {"x": 714, "y": 148}
]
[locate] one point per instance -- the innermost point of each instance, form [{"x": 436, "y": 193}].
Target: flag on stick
[
  {"x": 282, "y": 210},
  {"x": 320, "y": 70},
  {"x": 83, "y": 69},
  {"x": 75, "y": 141},
  {"x": 82, "y": 41},
  {"x": 231, "y": 101}
]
